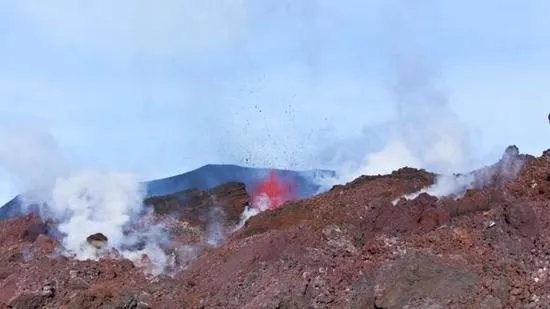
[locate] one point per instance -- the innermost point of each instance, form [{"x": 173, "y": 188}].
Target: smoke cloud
[
  {"x": 280, "y": 71},
  {"x": 91, "y": 202},
  {"x": 288, "y": 89},
  {"x": 82, "y": 201},
  {"x": 424, "y": 131},
  {"x": 214, "y": 228},
  {"x": 455, "y": 185},
  {"x": 425, "y": 134},
  {"x": 32, "y": 158}
]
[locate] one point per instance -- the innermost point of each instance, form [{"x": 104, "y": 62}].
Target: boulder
[{"x": 97, "y": 240}]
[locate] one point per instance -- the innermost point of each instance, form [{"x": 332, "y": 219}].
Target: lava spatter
[{"x": 272, "y": 192}]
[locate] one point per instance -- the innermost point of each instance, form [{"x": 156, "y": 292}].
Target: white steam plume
[
  {"x": 214, "y": 228},
  {"x": 32, "y": 158},
  {"x": 424, "y": 133},
  {"x": 82, "y": 201},
  {"x": 445, "y": 185},
  {"x": 259, "y": 204},
  {"x": 455, "y": 186},
  {"x": 90, "y": 202},
  {"x": 248, "y": 213}
]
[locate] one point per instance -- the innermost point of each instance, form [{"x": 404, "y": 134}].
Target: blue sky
[{"x": 161, "y": 87}]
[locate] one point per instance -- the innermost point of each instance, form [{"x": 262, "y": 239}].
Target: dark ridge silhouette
[{"x": 205, "y": 178}]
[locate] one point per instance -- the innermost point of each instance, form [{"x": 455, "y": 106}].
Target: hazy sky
[{"x": 161, "y": 87}]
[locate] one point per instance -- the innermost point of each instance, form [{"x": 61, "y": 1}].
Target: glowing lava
[{"x": 272, "y": 192}]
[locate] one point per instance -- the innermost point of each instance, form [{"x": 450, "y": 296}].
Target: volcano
[
  {"x": 208, "y": 177},
  {"x": 352, "y": 246}
]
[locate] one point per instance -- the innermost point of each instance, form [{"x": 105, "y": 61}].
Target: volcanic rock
[
  {"x": 423, "y": 276},
  {"x": 46, "y": 244},
  {"x": 196, "y": 206},
  {"x": 195, "y": 216},
  {"x": 511, "y": 150},
  {"x": 350, "y": 247},
  {"x": 97, "y": 240},
  {"x": 28, "y": 301}
]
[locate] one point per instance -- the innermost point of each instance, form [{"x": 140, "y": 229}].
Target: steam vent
[{"x": 98, "y": 240}]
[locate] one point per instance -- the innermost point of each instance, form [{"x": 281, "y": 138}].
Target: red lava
[{"x": 272, "y": 192}]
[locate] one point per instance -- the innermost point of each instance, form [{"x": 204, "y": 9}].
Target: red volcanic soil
[{"x": 347, "y": 248}]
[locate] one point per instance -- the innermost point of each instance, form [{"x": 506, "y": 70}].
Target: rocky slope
[{"x": 350, "y": 247}]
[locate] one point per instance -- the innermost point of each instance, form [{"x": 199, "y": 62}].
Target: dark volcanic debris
[{"x": 350, "y": 247}]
